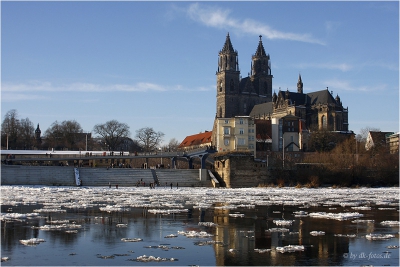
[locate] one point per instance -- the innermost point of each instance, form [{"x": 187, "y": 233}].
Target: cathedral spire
[
  {"x": 299, "y": 85},
  {"x": 228, "y": 57},
  {"x": 228, "y": 48},
  {"x": 260, "y": 49},
  {"x": 260, "y": 61}
]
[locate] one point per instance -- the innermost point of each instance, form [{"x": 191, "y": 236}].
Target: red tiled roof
[{"x": 196, "y": 139}]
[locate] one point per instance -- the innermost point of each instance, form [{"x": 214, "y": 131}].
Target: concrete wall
[
  {"x": 37, "y": 175},
  {"x": 64, "y": 176},
  {"x": 241, "y": 170}
]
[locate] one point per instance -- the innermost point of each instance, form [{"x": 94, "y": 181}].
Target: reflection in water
[{"x": 239, "y": 234}]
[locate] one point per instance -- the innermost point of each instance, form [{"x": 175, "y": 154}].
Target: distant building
[
  {"x": 235, "y": 134},
  {"x": 196, "y": 141},
  {"x": 376, "y": 139},
  {"x": 393, "y": 141}
]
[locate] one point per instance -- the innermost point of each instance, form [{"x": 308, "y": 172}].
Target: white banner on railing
[{"x": 77, "y": 179}]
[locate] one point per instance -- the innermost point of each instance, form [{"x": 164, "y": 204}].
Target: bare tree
[
  {"x": 149, "y": 139},
  {"x": 66, "y": 134},
  {"x": 10, "y": 129},
  {"x": 362, "y": 136},
  {"x": 173, "y": 145},
  {"x": 113, "y": 133},
  {"x": 27, "y": 134}
]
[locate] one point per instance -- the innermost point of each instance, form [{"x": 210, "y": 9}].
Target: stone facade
[
  {"x": 235, "y": 134},
  {"x": 239, "y": 170},
  {"x": 237, "y": 96}
]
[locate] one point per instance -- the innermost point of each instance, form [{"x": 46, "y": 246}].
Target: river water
[{"x": 70, "y": 226}]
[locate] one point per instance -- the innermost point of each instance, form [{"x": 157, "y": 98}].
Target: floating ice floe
[
  {"x": 386, "y": 208},
  {"x": 317, "y": 233},
  {"x": 274, "y": 230},
  {"x": 57, "y": 227},
  {"x": 170, "y": 236},
  {"x": 236, "y": 215},
  {"x": 336, "y": 216},
  {"x": 110, "y": 208},
  {"x": 300, "y": 213},
  {"x": 17, "y": 216},
  {"x": 131, "y": 239},
  {"x": 378, "y": 236},
  {"x": 347, "y": 235},
  {"x": 283, "y": 222},
  {"x": 145, "y": 258},
  {"x": 208, "y": 242},
  {"x": 160, "y": 211},
  {"x": 208, "y": 224},
  {"x": 391, "y": 223},
  {"x": 393, "y": 247},
  {"x": 122, "y": 225},
  {"x": 290, "y": 248},
  {"x": 4, "y": 259},
  {"x": 260, "y": 250},
  {"x": 192, "y": 234},
  {"x": 363, "y": 221},
  {"x": 32, "y": 241},
  {"x": 46, "y": 210},
  {"x": 361, "y": 208}
]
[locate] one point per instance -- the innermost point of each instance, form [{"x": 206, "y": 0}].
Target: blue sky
[{"x": 153, "y": 64}]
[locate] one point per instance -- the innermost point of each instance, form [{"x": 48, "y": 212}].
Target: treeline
[
  {"x": 17, "y": 133},
  {"x": 346, "y": 164}
]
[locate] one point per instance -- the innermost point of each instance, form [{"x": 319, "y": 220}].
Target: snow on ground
[{"x": 164, "y": 200}]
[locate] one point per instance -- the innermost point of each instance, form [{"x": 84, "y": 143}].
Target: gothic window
[
  {"x": 244, "y": 108},
  {"x": 220, "y": 87},
  {"x": 265, "y": 87},
  {"x": 232, "y": 85},
  {"x": 226, "y": 62},
  {"x": 220, "y": 111},
  {"x": 324, "y": 122}
]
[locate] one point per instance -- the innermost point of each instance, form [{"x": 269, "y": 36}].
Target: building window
[
  {"x": 241, "y": 141},
  {"x": 324, "y": 123},
  {"x": 232, "y": 85},
  {"x": 226, "y": 121},
  {"x": 241, "y": 120},
  {"x": 241, "y": 131},
  {"x": 226, "y": 142},
  {"x": 226, "y": 130}
]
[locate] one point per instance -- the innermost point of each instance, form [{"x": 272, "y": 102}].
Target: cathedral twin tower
[{"x": 237, "y": 96}]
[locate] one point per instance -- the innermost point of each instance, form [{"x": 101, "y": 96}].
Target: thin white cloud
[
  {"x": 14, "y": 90},
  {"x": 220, "y": 18},
  {"x": 15, "y": 97},
  {"x": 331, "y": 66}
]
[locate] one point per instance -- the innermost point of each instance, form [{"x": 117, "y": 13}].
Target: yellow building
[{"x": 235, "y": 134}]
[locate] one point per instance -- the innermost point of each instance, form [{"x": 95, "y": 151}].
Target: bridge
[{"x": 14, "y": 156}]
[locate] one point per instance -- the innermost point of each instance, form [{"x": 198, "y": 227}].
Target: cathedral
[
  {"x": 237, "y": 96},
  {"x": 252, "y": 97}
]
